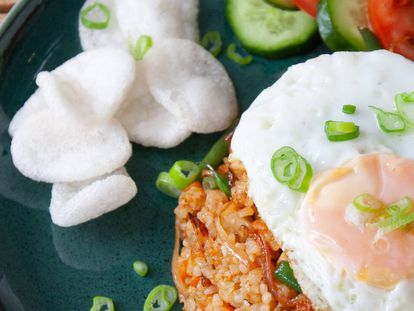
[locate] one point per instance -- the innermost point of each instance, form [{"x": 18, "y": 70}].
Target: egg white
[{"x": 293, "y": 112}]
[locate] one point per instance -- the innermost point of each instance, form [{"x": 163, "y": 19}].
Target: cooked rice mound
[{"x": 225, "y": 255}]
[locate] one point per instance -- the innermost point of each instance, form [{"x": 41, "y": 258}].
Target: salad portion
[{"x": 274, "y": 28}]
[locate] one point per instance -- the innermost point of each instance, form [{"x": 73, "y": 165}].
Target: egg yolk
[{"x": 381, "y": 263}]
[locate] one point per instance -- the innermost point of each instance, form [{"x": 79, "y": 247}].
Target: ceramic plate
[{"x": 45, "y": 267}]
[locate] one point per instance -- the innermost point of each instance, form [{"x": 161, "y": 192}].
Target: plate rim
[{"x": 17, "y": 16}]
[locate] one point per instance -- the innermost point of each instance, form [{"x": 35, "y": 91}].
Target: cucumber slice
[
  {"x": 340, "y": 23},
  {"x": 268, "y": 31},
  {"x": 283, "y": 4}
]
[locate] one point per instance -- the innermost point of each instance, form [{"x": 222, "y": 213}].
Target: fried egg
[{"x": 337, "y": 261}]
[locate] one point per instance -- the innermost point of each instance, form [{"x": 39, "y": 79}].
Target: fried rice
[{"x": 225, "y": 255}]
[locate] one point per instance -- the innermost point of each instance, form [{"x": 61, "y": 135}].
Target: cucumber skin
[
  {"x": 291, "y": 50},
  {"x": 282, "y": 6},
  {"x": 327, "y": 31}
]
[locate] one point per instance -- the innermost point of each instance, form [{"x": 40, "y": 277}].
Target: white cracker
[
  {"x": 158, "y": 18},
  {"x": 191, "y": 84},
  {"x": 78, "y": 202},
  {"x": 147, "y": 122},
  {"x": 33, "y": 105},
  {"x": 52, "y": 150},
  {"x": 92, "y": 84},
  {"x": 97, "y": 38}
]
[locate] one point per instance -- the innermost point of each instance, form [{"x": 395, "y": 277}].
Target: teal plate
[{"x": 45, "y": 267}]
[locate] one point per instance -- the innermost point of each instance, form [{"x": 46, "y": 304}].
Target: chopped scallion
[
  {"x": 209, "y": 183},
  {"x": 221, "y": 182},
  {"x": 400, "y": 207},
  {"x": 140, "y": 268},
  {"x": 367, "y": 203},
  {"x": 302, "y": 181},
  {"x": 393, "y": 223},
  {"x": 236, "y": 57},
  {"x": 349, "y": 109},
  {"x": 341, "y": 131},
  {"x": 161, "y": 298},
  {"x": 184, "y": 173},
  {"x": 141, "y": 47},
  {"x": 166, "y": 185},
  {"x": 285, "y": 165},
  {"x": 389, "y": 122},
  {"x": 212, "y": 42},
  {"x": 220, "y": 149},
  {"x": 284, "y": 273},
  {"x": 102, "y": 303},
  {"x": 405, "y": 106},
  {"x": 99, "y": 23},
  {"x": 288, "y": 167}
]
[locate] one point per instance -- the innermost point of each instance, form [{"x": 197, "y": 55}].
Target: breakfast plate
[{"x": 46, "y": 267}]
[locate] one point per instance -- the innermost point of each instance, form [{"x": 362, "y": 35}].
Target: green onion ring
[
  {"x": 288, "y": 167},
  {"x": 100, "y": 302},
  {"x": 141, "y": 47},
  {"x": 166, "y": 185},
  {"x": 221, "y": 182},
  {"x": 400, "y": 207},
  {"x": 184, "y": 173},
  {"x": 284, "y": 273},
  {"x": 285, "y": 165},
  {"x": 209, "y": 183},
  {"x": 393, "y": 223},
  {"x": 349, "y": 109},
  {"x": 367, "y": 203},
  {"x": 140, "y": 267},
  {"x": 161, "y": 298},
  {"x": 212, "y": 42},
  {"x": 341, "y": 131},
  {"x": 405, "y": 106},
  {"x": 88, "y": 23},
  {"x": 302, "y": 181},
  {"x": 389, "y": 122},
  {"x": 220, "y": 149},
  {"x": 236, "y": 57}
]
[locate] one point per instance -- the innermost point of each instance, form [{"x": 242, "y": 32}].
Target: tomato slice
[
  {"x": 309, "y": 6},
  {"x": 393, "y": 23}
]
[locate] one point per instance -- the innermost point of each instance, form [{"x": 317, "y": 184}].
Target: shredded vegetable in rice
[{"x": 225, "y": 256}]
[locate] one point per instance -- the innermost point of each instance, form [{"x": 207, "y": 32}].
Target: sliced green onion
[
  {"x": 349, "y": 109},
  {"x": 341, "y": 131},
  {"x": 184, "y": 173},
  {"x": 400, "y": 207},
  {"x": 405, "y": 106},
  {"x": 236, "y": 57},
  {"x": 284, "y": 273},
  {"x": 367, "y": 203},
  {"x": 288, "y": 167},
  {"x": 141, "y": 47},
  {"x": 216, "y": 154},
  {"x": 161, "y": 298},
  {"x": 101, "y": 303},
  {"x": 93, "y": 24},
  {"x": 220, "y": 149},
  {"x": 166, "y": 185},
  {"x": 393, "y": 223},
  {"x": 140, "y": 268},
  {"x": 221, "y": 182},
  {"x": 284, "y": 164},
  {"x": 209, "y": 183},
  {"x": 389, "y": 122},
  {"x": 212, "y": 42},
  {"x": 302, "y": 181}
]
